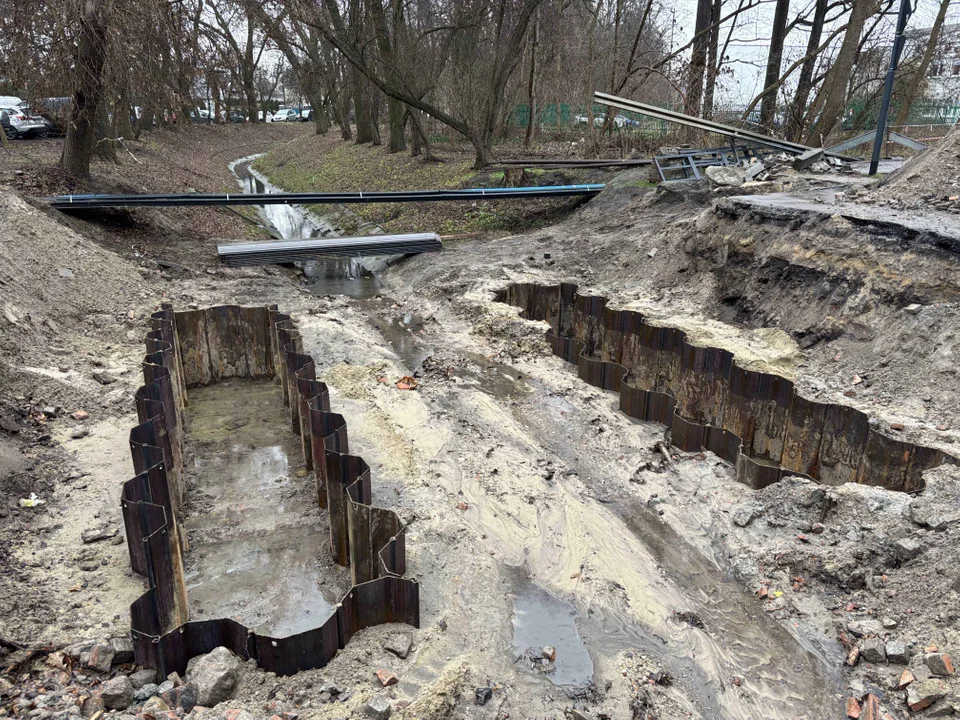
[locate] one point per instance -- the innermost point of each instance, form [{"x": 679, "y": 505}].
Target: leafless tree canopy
[{"x": 380, "y": 69}]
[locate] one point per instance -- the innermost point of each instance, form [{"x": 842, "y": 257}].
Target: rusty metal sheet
[
  {"x": 772, "y": 412},
  {"x": 885, "y": 461},
  {"x": 801, "y": 444},
  {"x": 305, "y": 651},
  {"x": 203, "y": 346},
  {"x": 755, "y": 420},
  {"x": 842, "y": 445}
]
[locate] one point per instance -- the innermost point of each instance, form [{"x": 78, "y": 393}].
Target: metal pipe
[
  {"x": 898, "y": 41},
  {"x": 68, "y": 202}
]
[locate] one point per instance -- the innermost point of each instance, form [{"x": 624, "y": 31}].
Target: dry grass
[{"x": 315, "y": 163}]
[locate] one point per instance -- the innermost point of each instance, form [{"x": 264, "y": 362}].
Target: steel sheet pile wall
[
  {"x": 754, "y": 420},
  {"x": 200, "y": 347}
]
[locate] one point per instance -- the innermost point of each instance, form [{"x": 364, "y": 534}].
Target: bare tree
[
  {"x": 834, "y": 92},
  {"x": 89, "y": 57},
  {"x": 918, "y": 77}
]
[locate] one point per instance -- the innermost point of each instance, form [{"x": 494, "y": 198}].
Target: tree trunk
[
  {"x": 798, "y": 108},
  {"x": 918, "y": 79},
  {"x": 362, "y": 109},
  {"x": 713, "y": 60},
  {"x": 768, "y": 106},
  {"x": 532, "y": 83},
  {"x": 88, "y": 88},
  {"x": 698, "y": 58},
  {"x": 835, "y": 84},
  {"x": 396, "y": 111}
]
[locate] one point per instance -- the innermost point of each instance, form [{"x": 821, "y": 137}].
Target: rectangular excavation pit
[{"x": 238, "y": 357}]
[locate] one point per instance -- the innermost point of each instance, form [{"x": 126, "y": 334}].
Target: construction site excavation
[{"x": 514, "y": 360}]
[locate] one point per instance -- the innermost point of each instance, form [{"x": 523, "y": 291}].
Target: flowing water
[{"x": 349, "y": 276}]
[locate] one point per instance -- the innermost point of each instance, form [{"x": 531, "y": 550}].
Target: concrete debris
[
  {"x": 399, "y": 644},
  {"x": 924, "y": 693},
  {"x": 377, "y": 707},
  {"x": 482, "y": 695},
  {"x": 897, "y": 652},
  {"x": 104, "y": 532},
  {"x": 214, "y": 675},
  {"x": 913, "y": 308},
  {"x": 724, "y": 175},
  {"x": 806, "y": 160},
  {"x": 907, "y": 549},
  {"x": 103, "y": 378},
  {"x": 872, "y": 650},
  {"x": 117, "y": 693},
  {"x": 747, "y": 513}
]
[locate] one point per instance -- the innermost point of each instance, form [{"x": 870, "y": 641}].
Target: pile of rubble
[
  {"x": 860, "y": 553},
  {"x": 776, "y": 167},
  {"x": 96, "y": 680}
]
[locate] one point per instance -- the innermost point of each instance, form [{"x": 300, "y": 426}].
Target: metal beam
[
  {"x": 286, "y": 251},
  {"x": 699, "y": 123}
]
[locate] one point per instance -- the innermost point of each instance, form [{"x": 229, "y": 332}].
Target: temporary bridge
[
  {"x": 76, "y": 202},
  {"x": 262, "y": 253}
]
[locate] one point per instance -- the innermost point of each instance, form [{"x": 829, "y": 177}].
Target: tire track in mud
[{"x": 785, "y": 675}]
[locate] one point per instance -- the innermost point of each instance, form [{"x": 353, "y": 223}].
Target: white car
[
  {"x": 288, "y": 115},
  {"x": 267, "y": 118},
  {"x": 26, "y": 123}
]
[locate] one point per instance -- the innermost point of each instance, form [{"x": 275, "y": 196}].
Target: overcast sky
[{"x": 748, "y": 47}]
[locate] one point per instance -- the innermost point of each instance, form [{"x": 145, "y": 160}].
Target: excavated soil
[{"x": 537, "y": 513}]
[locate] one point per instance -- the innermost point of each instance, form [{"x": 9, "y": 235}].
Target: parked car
[
  {"x": 287, "y": 115},
  {"x": 621, "y": 122},
  {"x": 6, "y": 126},
  {"x": 26, "y": 123},
  {"x": 237, "y": 117},
  {"x": 200, "y": 115},
  {"x": 265, "y": 118},
  {"x": 11, "y": 101},
  {"x": 306, "y": 115}
]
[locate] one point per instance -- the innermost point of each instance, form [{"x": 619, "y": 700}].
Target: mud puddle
[
  {"x": 259, "y": 548},
  {"x": 541, "y": 620}
]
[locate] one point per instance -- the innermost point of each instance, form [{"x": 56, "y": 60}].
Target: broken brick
[
  {"x": 386, "y": 677},
  {"x": 939, "y": 664},
  {"x": 853, "y": 708},
  {"x": 906, "y": 677},
  {"x": 870, "y": 710},
  {"x": 853, "y": 656}
]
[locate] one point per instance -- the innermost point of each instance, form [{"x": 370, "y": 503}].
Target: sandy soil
[{"x": 529, "y": 498}]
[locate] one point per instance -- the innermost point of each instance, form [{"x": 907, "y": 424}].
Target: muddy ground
[{"x": 537, "y": 513}]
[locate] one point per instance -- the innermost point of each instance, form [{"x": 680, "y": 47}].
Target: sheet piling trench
[
  {"x": 200, "y": 347},
  {"x": 754, "y": 420}
]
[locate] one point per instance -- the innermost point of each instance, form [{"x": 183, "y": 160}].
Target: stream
[{"x": 349, "y": 276}]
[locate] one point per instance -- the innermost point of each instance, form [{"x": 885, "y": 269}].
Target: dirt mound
[
  {"x": 931, "y": 180},
  {"x": 53, "y": 279}
]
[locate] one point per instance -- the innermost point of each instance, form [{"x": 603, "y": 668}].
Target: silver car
[{"x": 26, "y": 123}]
